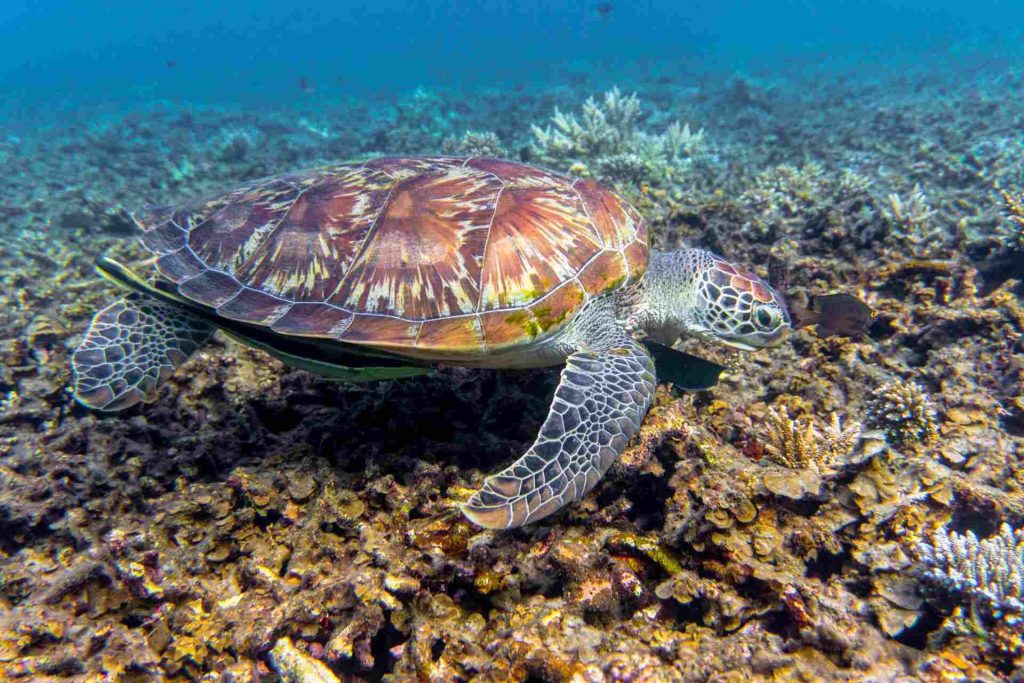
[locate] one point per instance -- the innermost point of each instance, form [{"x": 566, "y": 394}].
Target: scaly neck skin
[{"x": 665, "y": 303}]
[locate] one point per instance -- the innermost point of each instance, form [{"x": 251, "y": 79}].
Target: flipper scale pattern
[
  {"x": 132, "y": 347},
  {"x": 599, "y": 404}
]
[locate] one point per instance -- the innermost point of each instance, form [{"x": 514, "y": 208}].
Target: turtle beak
[
  {"x": 762, "y": 341},
  {"x": 742, "y": 346},
  {"x": 780, "y": 336}
]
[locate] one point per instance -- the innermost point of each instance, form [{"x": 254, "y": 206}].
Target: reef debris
[{"x": 295, "y": 666}]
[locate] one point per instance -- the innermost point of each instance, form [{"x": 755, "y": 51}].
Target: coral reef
[{"x": 254, "y": 516}]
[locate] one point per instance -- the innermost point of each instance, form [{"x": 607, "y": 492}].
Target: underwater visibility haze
[{"x": 512, "y": 341}]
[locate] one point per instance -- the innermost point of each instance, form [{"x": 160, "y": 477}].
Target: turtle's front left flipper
[
  {"x": 132, "y": 347},
  {"x": 599, "y": 404}
]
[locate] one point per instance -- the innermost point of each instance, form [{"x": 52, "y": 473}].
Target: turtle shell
[{"x": 427, "y": 256}]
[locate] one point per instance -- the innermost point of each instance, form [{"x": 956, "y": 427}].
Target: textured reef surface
[{"x": 840, "y": 508}]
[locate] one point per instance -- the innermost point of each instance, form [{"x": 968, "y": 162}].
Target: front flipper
[
  {"x": 132, "y": 347},
  {"x": 599, "y": 404}
]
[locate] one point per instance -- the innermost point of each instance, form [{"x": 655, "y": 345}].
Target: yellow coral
[
  {"x": 798, "y": 445},
  {"x": 1013, "y": 206}
]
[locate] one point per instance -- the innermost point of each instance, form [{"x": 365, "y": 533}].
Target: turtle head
[
  {"x": 696, "y": 293},
  {"x": 736, "y": 307}
]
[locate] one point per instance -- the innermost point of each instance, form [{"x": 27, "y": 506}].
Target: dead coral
[
  {"x": 904, "y": 412},
  {"x": 295, "y": 666}
]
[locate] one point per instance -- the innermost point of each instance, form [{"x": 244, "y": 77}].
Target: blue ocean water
[{"x": 70, "y": 53}]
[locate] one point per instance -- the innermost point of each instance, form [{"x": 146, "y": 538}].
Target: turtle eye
[{"x": 764, "y": 318}]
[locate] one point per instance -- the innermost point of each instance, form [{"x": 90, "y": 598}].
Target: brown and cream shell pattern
[{"x": 427, "y": 256}]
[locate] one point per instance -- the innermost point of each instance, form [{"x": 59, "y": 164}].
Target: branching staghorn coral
[
  {"x": 603, "y": 140},
  {"x": 787, "y": 188},
  {"x": 1013, "y": 206},
  {"x": 911, "y": 219},
  {"x": 1012, "y": 235},
  {"x": 911, "y": 213},
  {"x": 904, "y": 412},
  {"x": 605, "y": 129},
  {"x": 678, "y": 137},
  {"x": 799, "y": 444},
  {"x": 990, "y": 570},
  {"x": 851, "y": 183}
]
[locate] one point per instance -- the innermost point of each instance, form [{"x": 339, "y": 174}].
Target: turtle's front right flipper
[
  {"x": 132, "y": 347},
  {"x": 598, "y": 406}
]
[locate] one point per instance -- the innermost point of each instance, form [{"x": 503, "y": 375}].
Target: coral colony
[
  {"x": 794, "y": 522},
  {"x": 990, "y": 571}
]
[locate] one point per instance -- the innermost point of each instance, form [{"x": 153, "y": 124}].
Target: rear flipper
[{"x": 132, "y": 347}]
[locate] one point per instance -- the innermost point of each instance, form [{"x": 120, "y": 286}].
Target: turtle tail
[{"x": 132, "y": 347}]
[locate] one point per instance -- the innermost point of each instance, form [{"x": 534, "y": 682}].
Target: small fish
[
  {"x": 305, "y": 85},
  {"x": 170, "y": 64},
  {"x": 833, "y": 314},
  {"x": 605, "y": 9}
]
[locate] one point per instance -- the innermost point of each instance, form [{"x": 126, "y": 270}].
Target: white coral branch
[{"x": 991, "y": 569}]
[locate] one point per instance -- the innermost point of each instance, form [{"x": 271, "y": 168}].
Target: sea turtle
[{"x": 383, "y": 269}]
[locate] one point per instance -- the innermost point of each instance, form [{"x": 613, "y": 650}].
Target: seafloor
[{"x": 805, "y": 520}]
